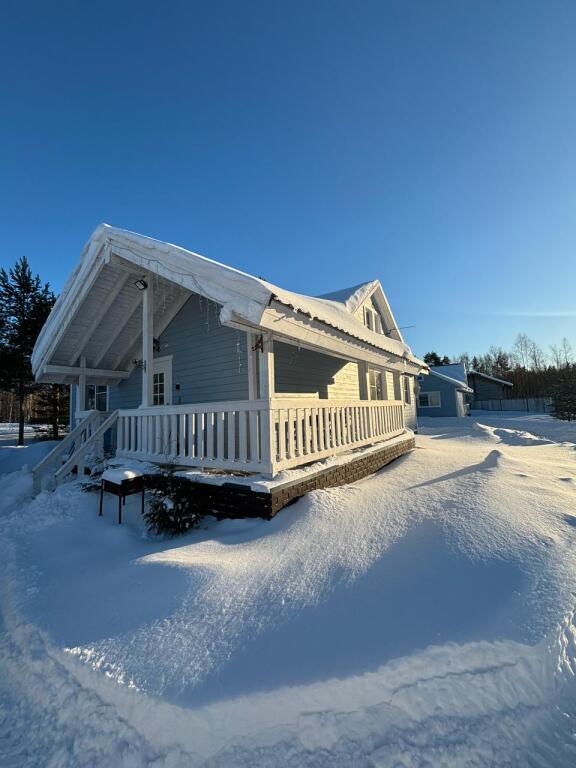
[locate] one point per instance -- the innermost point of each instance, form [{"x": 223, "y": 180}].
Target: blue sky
[{"x": 319, "y": 144}]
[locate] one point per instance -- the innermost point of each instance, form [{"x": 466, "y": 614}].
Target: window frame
[
  {"x": 407, "y": 390},
  {"x": 104, "y": 390},
  {"x": 427, "y": 395},
  {"x": 378, "y": 386}
]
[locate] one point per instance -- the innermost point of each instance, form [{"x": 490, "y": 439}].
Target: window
[
  {"x": 407, "y": 390},
  {"x": 159, "y": 393},
  {"x": 368, "y": 318},
  {"x": 429, "y": 400},
  {"x": 372, "y": 320},
  {"x": 96, "y": 397},
  {"x": 375, "y": 384}
]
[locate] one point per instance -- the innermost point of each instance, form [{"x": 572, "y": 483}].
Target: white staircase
[{"x": 74, "y": 450}]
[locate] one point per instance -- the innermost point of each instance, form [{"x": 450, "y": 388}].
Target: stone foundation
[{"x": 233, "y": 500}]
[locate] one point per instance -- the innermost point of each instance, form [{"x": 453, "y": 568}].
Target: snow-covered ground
[{"x": 421, "y": 617}]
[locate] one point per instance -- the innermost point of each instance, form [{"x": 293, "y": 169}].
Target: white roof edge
[
  {"x": 492, "y": 378},
  {"x": 236, "y": 291}
]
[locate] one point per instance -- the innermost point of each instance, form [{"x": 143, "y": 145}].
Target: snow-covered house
[
  {"x": 443, "y": 392},
  {"x": 192, "y": 362}
]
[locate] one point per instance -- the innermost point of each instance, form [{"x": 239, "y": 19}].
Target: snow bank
[{"x": 423, "y": 616}]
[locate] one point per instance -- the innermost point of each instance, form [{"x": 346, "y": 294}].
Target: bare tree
[
  {"x": 567, "y": 351},
  {"x": 521, "y": 350},
  {"x": 536, "y": 357},
  {"x": 557, "y": 356}
]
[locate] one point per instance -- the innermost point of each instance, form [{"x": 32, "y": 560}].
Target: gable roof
[
  {"x": 353, "y": 299},
  {"x": 239, "y": 293},
  {"x": 452, "y": 370},
  {"x": 491, "y": 378},
  {"x": 458, "y": 383}
]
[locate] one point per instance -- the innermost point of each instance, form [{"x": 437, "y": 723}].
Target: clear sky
[{"x": 431, "y": 144}]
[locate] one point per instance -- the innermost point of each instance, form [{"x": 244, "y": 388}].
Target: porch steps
[{"x": 73, "y": 449}]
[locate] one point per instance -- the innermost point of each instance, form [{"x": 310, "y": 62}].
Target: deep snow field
[{"x": 421, "y": 617}]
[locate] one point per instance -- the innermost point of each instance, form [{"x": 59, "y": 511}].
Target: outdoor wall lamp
[{"x": 141, "y": 284}]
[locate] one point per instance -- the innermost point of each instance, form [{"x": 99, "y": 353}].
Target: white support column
[
  {"x": 364, "y": 385},
  {"x": 266, "y": 392},
  {"x": 81, "y": 399},
  {"x": 252, "y": 357},
  {"x": 148, "y": 343},
  {"x": 266, "y": 366}
]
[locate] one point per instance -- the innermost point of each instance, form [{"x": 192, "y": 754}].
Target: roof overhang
[{"x": 96, "y": 322}]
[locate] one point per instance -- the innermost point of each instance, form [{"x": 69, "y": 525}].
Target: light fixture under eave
[{"x": 141, "y": 284}]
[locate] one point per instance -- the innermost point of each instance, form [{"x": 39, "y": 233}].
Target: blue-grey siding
[
  {"x": 209, "y": 361},
  {"x": 448, "y": 396}
]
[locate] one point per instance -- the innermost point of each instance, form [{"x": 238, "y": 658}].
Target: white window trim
[
  {"x": 376, "y": 323},
  {"x": 169, "y": 382},
  {"x": 407, "y": 391},
  {"x": 427, "y": 394},
  {"x": 107, "y": 396}
]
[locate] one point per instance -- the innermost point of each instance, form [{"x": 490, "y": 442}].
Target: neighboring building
[
  {"x": 198, "y": 364},
  {"x": 485, "y": 387},
  {"x": 444, "y": 391}
]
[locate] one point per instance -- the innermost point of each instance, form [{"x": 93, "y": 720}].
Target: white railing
[
  {"x": 305, "y": 431},
  {"x": 80, "y": 435},
  {"x": 256, "y": 435},
  {"x": 95, "y": 440}
]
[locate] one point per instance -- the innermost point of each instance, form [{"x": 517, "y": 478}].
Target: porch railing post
[{"x": 147, "y": 342}]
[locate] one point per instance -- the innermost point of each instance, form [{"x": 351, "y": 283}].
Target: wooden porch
[
  {"x": 258, "y": 436},
  {"x": 253, "y": 436}
]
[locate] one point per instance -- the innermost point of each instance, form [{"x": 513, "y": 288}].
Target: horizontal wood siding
[
  {"x": 209, "y": 361},
  {"x": 302, "y": 371},
  {"x": 410, "y": 415},
  {"x": 484, "y": 389},
  {"x": 448, "y": 396}
]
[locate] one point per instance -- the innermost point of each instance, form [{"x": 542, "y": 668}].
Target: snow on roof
[
  {"x": 237, "y": 292},
  {"x": 492, "y": 378},
  {"x": 452, "y": 370},
  {"x": 455, "y": 382},
  {"x": 353, "y": 297}
]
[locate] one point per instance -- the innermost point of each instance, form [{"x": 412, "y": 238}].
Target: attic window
[{"x": 372, "y": 320}]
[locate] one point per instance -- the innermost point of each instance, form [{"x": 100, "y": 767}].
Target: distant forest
[{"x": 533, "y": 371}]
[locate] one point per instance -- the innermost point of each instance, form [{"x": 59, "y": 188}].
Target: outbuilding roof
[
  {"x": 458, "y": 383},
  {"x": 491, "y": 378}
]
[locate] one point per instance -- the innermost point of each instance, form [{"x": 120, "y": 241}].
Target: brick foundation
[{"x": 237, "y": 500}]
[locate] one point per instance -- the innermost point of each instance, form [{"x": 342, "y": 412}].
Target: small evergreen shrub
[{"x": 171, "y": 508}]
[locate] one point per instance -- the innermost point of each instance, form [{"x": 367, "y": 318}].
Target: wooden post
[
  {"x": 148, "y": 343},
  {"x": 364, "y": 385},
  {"x": 253, "y": 363},
  {"x": 266, "y": 392},
  {"x": 81, "y": 399},
  {"x": 266, "y": 367}
]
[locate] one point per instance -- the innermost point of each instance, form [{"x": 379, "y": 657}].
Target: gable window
[
  {"x": 375, "y": 384},
  {"x": 429, "y": 400},
  {"x": 372, "y": 320},
  {"x": 407, "y": 390},
  {"x": 96, "y": 397},
  {"x": 368, "y": 318}
]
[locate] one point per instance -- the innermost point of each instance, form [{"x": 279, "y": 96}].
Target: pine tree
[
  {"x": 52, "y": 406},
  {"x": 24, "y": 306},
  {"x": 432, "y": 358},
  {"x": 564, "y": 394}
]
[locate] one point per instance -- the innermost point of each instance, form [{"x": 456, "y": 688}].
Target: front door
[{"x": 162, "y": 390}]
